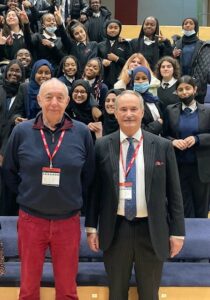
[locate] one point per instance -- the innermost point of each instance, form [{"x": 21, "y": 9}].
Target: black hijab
[
  {"x": 113, "y": 38},
  {"x": 110, "y": 123},
  {"x": 193, "y": 38},
  {"x": 81, "y": 112}
]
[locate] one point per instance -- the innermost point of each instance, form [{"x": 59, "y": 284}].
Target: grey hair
[
  {"x": 129, "y": 92},
  {"x": 55, "y": 81}
]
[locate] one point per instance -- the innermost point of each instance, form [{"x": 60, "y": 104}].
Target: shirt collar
[
  {"x": 137, "y": 136},
  {"x": 70, "y": 79},
  {"x": 47, "y": 36},
  {"x": 147, "y": 41},
  {"x": 97, "y": 15},
  {"x": 91, "y": 81},
  {"x": 170, "y": 82},
  {"x": 84, "y": 43},
  {"x": 193, "y": 106},
  {"x": 18, "y": 34}
]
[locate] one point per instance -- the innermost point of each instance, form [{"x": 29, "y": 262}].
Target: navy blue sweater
[
  {"x": 26, "y": 156},
  {"x": 188, "y": 125}
]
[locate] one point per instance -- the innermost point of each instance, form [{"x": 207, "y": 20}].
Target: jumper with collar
[{"x": 75, "y": 156}]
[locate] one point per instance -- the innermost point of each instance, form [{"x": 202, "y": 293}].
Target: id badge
[
  {"x": 51, "y": 176},
  {"x": 125, "y": 189}
]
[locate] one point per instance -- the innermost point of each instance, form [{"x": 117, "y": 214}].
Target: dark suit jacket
[
  {"x": 202, "y": 148},
  {"x": 7, "y": 118},
  {"x": 163, "y": 195}
]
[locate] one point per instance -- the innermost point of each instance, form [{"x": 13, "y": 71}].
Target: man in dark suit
[{"x": 137, "y": 202}]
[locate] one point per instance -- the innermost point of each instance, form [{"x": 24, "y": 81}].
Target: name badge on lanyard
[
  {"x": 125, "y": 190},
  {"x": 50, "y": 175}
]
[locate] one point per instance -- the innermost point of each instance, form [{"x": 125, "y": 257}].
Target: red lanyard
[
  {"x": 132, "y": 159},
  {"x": 47, "y": 148}
]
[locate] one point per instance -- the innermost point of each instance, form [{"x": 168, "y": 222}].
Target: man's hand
[
  {"x": 92, "y": 239},
  {"x": 175, "y": 246}
]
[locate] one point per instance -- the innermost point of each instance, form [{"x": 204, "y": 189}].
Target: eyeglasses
[{"x": 79, "y": 92}]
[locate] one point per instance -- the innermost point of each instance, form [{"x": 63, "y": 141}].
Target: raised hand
[
  {"x": 3, "y": 39},
  {"x": 23, "y": 15},
  {"x": 58, "y": 16},
  {"x": 160, "y": 36}
]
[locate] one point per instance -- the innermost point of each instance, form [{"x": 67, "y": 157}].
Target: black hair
[
  {"x": 186, "y": 79},
  {"x": 62, "y": 62}
]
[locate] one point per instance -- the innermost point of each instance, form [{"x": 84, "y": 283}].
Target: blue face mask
[
  {"x": 51, "y": 29},
  {"x": 141, "y": 87},
  {"x": 188, "y": 32}
]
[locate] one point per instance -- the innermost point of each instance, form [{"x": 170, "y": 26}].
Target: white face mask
[
  {"x": 188, "y": 32},
  {"x": 51, "y": 29}
]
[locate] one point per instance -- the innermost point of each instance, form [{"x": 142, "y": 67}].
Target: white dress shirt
[{"x": 141, "y": 205}]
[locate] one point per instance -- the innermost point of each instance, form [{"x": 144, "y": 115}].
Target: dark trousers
[
  {"x": 132, "y": 247},
  {"x": 195, "y": 193}
]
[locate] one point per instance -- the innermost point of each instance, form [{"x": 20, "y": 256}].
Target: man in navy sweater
[{"x": 49, "y": 163}]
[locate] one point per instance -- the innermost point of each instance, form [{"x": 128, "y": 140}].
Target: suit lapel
[
  {"x": 149, "y": 161},
  {"x": 175, "y": 118},
  {"x": 114, "y": 150},
  {"x": 202, "y": 121}
]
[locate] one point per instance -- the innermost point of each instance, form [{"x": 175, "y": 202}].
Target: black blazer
[
  {"x": 148, "y": 122},
  {"x": 90, "y": 50},
  {"x": 119, "y": 48},
  {"x": 202, "y": 149},
  {"x": 162, "y": 189},
  {"x": 7, "y": 118}
]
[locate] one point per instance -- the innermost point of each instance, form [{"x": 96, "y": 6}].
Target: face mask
[
  {"x": 188, "y": 33},
  {"x": 187, "y": 100},
  {"x": 141, "y": 87},
  {"x": 51, "y": 30}
]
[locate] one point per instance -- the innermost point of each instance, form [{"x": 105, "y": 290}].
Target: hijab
[
  {"x": 147, "y": 96},
  {"x": 193, "y": 38},
  {"x": 33, "y": 87},
  {"x": 83, "y": 111},
  {"x": 113, "y": 38},
  {"x": 110, "y": 123}
]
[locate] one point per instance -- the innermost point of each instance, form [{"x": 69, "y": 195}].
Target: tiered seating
[{"x": 191, "y": 268}]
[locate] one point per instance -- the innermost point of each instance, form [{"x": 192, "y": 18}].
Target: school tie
[
  {"x": 166, "y": 85},
  {"x": 187, "y": 110},
  {"x": 130, "y": 205}
]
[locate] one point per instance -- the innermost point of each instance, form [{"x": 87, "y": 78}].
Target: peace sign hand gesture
[
  {"x": 3, "y": 39},
  {"x": 58, "y": 16},
  {"x": 160, "y": 36},
  {"x": 23, "y": 15}
]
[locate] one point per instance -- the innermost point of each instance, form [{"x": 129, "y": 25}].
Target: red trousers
[{"x": 35, "y": 235}]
